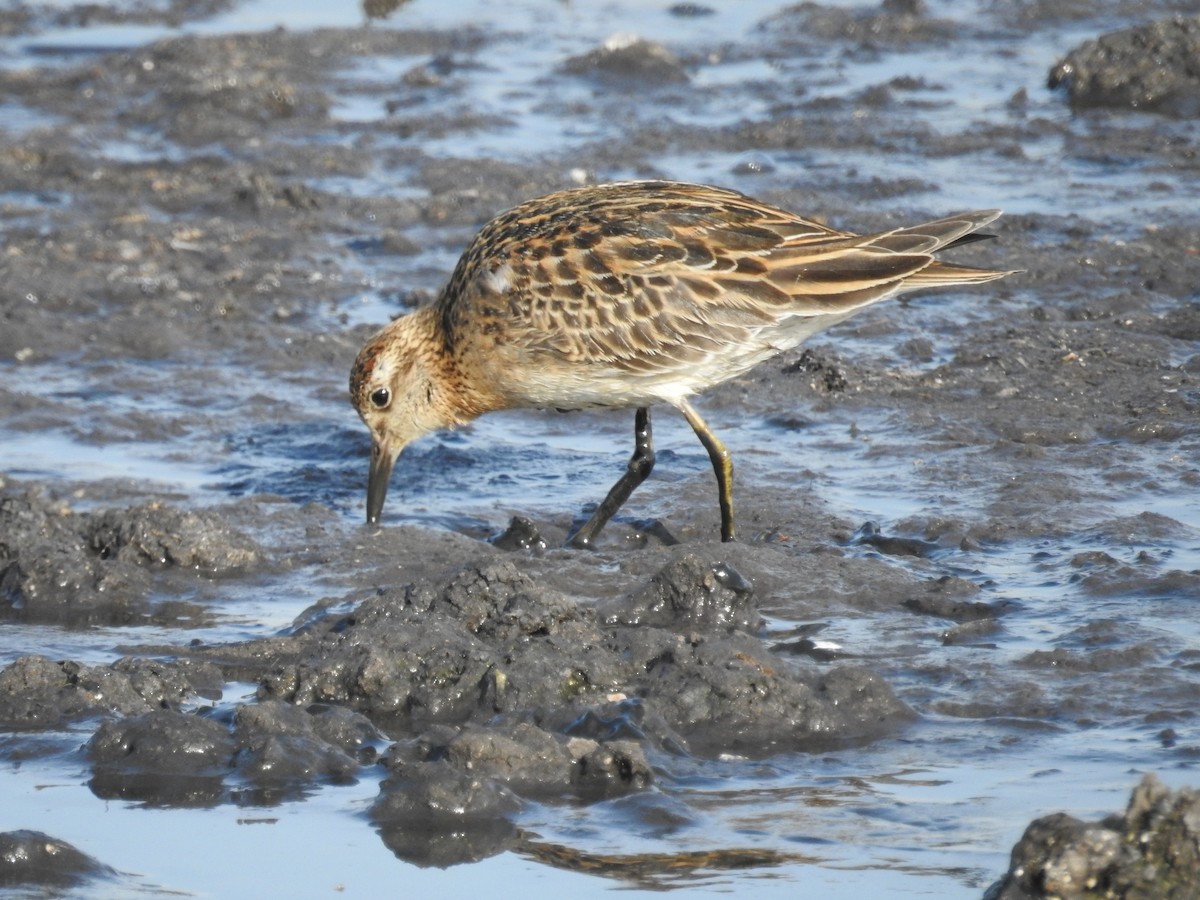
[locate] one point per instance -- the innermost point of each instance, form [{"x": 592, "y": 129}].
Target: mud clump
[
  {"x": 163, "y": 758},
  {"x": 38, "y": 694},
  {"x": 1151, "y": 851},
  {"x": 62, "y": 567},
  {"x": 162, "y": 536},
  {"x": 891, "y": 23},
  {"x": 689, "y": 592},
  {"x": 417, "y": 816},
  {"x": 469, "y": 783},
  {"x": 493, "y": 642},
  {"x": 1154, "y": 68},
  {"x": 473, "y": 692},
  {"x": 264, "y": 754},
  {"x": 32, "y": 859},
  {"x": 625, "y": 60}
]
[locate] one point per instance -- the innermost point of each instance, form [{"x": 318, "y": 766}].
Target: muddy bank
[
  {"x": 968, "y": 525},
  {"x": 484, "y": 680}
]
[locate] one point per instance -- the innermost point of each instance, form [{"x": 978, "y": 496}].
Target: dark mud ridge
[{"x": 469, "y": 691}]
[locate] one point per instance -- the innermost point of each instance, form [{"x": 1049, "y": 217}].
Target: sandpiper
[{"x": 630, "y": 295}]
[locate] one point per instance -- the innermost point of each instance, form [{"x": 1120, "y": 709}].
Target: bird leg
[
  {"x": 636, "y": 472},
  {"x": 722, "y": 464}
]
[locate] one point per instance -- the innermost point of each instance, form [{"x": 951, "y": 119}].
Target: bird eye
[{"x": 380, "y": 398}]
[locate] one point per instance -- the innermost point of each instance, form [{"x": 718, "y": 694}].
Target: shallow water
[{"x": 932, "y": 811}]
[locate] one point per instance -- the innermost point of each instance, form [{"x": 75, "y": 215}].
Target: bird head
[{"x": 392, "y": 388}]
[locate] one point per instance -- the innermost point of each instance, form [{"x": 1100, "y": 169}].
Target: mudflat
[{"x": 964, "y": 589}]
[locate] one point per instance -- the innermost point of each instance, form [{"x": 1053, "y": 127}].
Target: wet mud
[
  {"x": 1149, "y": 851},
  {"x": 200, "y": 232},
  {"x": 31, "y": 858}
]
